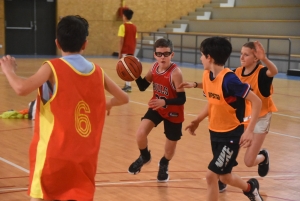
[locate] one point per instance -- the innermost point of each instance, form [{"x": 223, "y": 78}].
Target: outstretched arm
[
  {"x": 260, "y": 54},
  {"x": 246, "y": 138},
  {"x": 191, "y": 85},
  {"x": 119, "y": 96},
  {"x": 24, "y": 86},
  {"x": 121, "y": 42}
]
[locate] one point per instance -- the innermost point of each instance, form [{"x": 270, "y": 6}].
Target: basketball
[{"x": 129, "y": 68}]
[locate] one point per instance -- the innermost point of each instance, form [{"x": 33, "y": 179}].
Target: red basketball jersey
[
  {"x": 163, "y": 88},
  {"x": 67, "y": 134},
  {"x": 129, "y": 39}
]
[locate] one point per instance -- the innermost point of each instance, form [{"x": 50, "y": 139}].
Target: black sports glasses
[{"x": 166, "y": 54}]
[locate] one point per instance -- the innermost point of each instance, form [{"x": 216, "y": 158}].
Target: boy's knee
[
  {"x": 248, "y": 163},
  {"x": 141, "y": 133},
  {"x": 211, "y": 177}
]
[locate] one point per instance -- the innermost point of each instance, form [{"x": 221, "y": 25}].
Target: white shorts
[{"x": 263, "y": 124}]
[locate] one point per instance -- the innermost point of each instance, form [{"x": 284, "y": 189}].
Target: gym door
[{"x": 30, "y": 27}]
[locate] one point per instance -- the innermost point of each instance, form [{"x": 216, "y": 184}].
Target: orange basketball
[{"x": 129, "y": 68}]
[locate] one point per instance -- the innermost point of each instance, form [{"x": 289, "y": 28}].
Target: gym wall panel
[
  {"x": 102, "y": 16},
  {"x": 148, "y": 15},
  {"x": 2, "y": 31}
]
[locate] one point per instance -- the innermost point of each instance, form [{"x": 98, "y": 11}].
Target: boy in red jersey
[
  {"x": 69, "y": 122},
  {"x": 166, "y": 105},
  {"x": 260, "y": 79},
  {"x": 127, "y": 33},
  {"x": 226, "y": 109}
]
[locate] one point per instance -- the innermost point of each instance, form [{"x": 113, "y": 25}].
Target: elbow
[
  {"x": 20, "y": 91},
  {"x": 126, "y": 99},
  {"x": 184, "y": 100},
  {"x": 142, "y": 89}
]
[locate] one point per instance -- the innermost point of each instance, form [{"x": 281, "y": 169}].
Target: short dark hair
[
  {"x": 163, "y": 42},
  {"x": 218, "y": 48},
  {"x": 71, "y": 33},
  {"x": 128, "y": 13}
]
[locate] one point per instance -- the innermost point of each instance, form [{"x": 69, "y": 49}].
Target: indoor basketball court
[{"x": 188, "y": 167}]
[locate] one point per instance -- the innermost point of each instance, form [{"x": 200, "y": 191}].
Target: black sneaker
[
  {"x": 222, "y": 187},
  {"x": 263, "y": 167},
  {"x": 163, "y": 174},
  {"x": 136, "y": 166},
  {"x": 254, "y": 195}
]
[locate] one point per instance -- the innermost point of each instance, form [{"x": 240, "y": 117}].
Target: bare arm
[
  {"x": 247, "y": 136},
  {"x": 120, "y": 46},
  {"x": 24, "y": 86},
  {"x": 191, "y": 85},
  {"x": 177, "y": 79},
  {"x": 195, "y": 123},
  {"x": 148, "y": 76},
  {"x": 260, "y": 54},
  {"x": 119, "y": 96}
]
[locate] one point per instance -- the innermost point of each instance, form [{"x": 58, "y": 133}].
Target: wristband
[{"x": 196, "y": 85}]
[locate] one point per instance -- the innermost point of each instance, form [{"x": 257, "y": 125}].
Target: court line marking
[
  {"x": 13, "y": 189},
  {"x": 285, "y": 135},
  {"x": 149, "y": 181},
  {"x": 14, "y": 165},
  {"x": 194, "y": 115},
  {"x": 204, "y": 100},
  {"x": 27, "y": 171},
  {"x": 179, "y": 180}
]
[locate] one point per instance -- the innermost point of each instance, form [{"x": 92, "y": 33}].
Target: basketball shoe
[
  {"x": 263, "y": 167},
  {"x": 163, "y": 174},
  {"x": 136, "y": 166},
  {"x": 253, "y": 194},
  {"x": 126, "y": 88},
  {"x": 222, "y": 186}
]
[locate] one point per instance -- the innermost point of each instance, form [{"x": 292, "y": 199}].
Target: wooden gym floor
[{"x": 187, "y": 168}]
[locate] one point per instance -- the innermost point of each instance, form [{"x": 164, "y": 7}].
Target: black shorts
[
  {"x": 224, "y": 157},
  {"x": 173, "y": 131}
]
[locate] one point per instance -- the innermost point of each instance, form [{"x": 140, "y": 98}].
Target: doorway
[{"x": 30, "y": 27}]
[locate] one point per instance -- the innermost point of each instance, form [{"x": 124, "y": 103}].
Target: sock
[
  {"x": 128, "y": 83},
  {"x": 164, "y": 161},
  {"x": 145, "y": 153},
  {"x": 263, "y": 160}
]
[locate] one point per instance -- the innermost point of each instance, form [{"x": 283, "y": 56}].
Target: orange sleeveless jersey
[
  {"x": 267, "y": 102},
  {"x": 164, "y": 89},
  {"x": 222, "y": 117},
  {"x": 67, "y": 134},
  {"x": 129, "y": 39}
]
